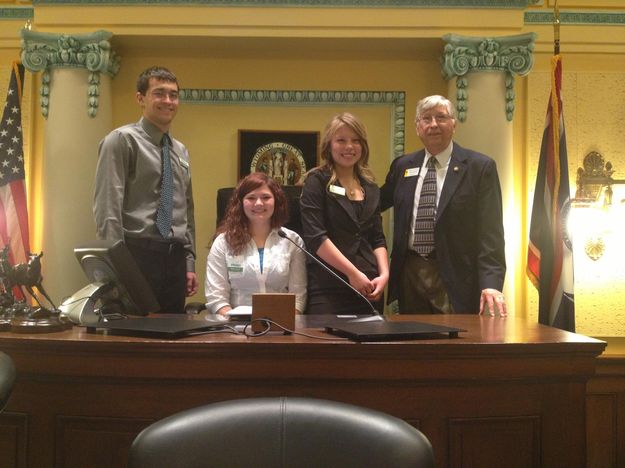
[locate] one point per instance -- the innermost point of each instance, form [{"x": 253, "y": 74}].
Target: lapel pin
[{"x": 456, "y": 168}]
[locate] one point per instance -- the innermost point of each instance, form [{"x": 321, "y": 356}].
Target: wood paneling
[
  {"x": 13, "y": 439},
  {"x": 95, "y": 442},
  {"x": 601, "y": 428},
  {"x": 605, "y": 414},
  {"x": 504, "y": 386},
  {"x": 513, "y": 442}
]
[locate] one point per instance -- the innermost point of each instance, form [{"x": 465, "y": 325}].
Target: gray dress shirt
[{"x": 127, "y": 187}]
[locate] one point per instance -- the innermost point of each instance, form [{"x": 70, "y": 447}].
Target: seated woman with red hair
[{"x": 248, "y": 256}]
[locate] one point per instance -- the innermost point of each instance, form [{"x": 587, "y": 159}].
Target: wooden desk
[{"x": 505, "y": 393}]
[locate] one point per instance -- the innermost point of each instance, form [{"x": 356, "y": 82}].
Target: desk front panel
[{"x": 505, "y": 393}]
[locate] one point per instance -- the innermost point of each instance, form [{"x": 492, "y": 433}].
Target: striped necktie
[
  {"x": 164, "y": 213},
  {"x": 426, "y": 212}
]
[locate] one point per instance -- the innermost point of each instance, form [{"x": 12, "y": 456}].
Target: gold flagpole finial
[{"x": 29, "y": 25}]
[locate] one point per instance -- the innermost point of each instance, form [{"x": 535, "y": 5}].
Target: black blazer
[
  {"x": 327, "y": 215},
  {"x": 468, "y": 234}
]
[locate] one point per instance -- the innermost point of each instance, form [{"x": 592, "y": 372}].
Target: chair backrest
[
  {"x": 7, "y": 378},
  {"x": 281, "y": 432},
  {"x": 292, "y": 193}
]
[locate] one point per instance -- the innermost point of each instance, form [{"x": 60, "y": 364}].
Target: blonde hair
[{"x": 345, "y": 119}]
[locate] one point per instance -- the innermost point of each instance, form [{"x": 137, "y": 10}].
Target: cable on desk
[
  {"x": 267, "y": 324},
  {"x": 224, "y": 329}
]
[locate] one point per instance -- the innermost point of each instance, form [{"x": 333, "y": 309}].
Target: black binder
[
  {"x": 157, "y": 327},
  {"x": 384, "y": 330}
]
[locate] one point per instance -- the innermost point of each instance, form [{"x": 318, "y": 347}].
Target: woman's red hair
[{"x": 235, "y": 224}]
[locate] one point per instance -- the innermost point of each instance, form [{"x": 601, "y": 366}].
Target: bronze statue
[{"x": 15, "y": 312}]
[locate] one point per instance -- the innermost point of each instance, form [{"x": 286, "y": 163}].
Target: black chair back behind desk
[{"x": 281, "y": 433}]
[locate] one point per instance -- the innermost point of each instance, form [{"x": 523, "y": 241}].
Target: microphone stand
[{"x": 376, "y": 317}]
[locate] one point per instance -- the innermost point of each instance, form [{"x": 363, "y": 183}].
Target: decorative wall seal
[
  {"x": 44, "y": 51},
  {"x": 463, "y": 54}
]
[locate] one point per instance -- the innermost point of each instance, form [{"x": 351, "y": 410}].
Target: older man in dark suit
[{"x": 448, "y": 241}]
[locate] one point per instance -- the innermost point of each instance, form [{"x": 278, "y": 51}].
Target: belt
[
  {"x": 430, "y": 256},
  {"x": 161, "y": 246}
]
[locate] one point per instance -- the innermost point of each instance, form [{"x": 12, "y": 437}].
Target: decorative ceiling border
[
  {"x": 12, "y": 13},
  {"x": 518, "y": 4},
  {"x": 593, "y": 18},
  {"x": 396, "y": 100}
]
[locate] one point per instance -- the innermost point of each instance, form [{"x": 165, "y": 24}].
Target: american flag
[
  {"x": 549, "y": 257},
  {"x": 13, "y": 209}
]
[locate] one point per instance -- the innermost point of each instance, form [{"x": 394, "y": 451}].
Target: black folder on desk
[
  {"x": 391, "y": 331},
  {"x": 157, "y": 327}
]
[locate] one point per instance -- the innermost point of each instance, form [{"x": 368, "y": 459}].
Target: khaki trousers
[{"x": 421, "y": 289}]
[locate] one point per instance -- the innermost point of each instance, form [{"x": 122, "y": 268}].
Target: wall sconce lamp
[{"x": 592, "y": 202}]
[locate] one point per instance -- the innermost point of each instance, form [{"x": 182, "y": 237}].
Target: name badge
[
  {"x": 413, "y": 171},
  {"x": 235, "y": 264},
  {"x": 183, "y": 163},
  {"x": 337, "y": 190}
]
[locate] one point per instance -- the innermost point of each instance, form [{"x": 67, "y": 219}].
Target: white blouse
[{"x": 232, "y": 279}]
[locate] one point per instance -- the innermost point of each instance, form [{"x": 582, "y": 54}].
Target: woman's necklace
[
  {"x": 352, "y": 192},
  {"x": 353, "y": 188}
]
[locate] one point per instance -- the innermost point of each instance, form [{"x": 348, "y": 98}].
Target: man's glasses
[
  {"x": 161, "y": 94},
  {"x": 441, "y": 119}
]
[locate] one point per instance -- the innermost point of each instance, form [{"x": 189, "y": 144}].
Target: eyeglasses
[
  {"x": 161, "y": 94},
  {"x": 441, "y": 119}
]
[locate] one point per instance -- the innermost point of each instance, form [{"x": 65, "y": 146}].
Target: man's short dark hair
[{"x": 160, "y": 73}]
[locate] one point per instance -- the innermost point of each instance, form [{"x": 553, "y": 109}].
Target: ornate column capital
[
  {"x": 45, "y": 51},
  {"x": 511, "y": 55}
]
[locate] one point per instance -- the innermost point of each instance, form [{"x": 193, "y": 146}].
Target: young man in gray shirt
[{"x": 143, "y": 192}]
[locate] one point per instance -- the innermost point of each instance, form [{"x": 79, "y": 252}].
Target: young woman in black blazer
[{"x": 342, "y": 225}]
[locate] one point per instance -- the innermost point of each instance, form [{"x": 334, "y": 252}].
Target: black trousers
[{"x": 165, "y": 268}]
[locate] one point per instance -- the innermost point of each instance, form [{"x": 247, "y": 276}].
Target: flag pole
[
  {"x": 556, "y": 29},
  {"x": 550, "y": 258}
]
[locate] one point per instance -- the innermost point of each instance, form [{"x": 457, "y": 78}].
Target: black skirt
[{"x": 344, "y": 302}]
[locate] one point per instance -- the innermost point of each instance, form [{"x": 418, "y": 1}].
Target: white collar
[{"x": 442, "y": 158}]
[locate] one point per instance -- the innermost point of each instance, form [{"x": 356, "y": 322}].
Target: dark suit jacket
[
  {"x": 326, "y": 215},
  {"x": 468, "y": 234}
]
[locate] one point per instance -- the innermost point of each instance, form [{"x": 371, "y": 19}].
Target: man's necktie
[
  {"x": 426, "y": 212},
  {"x": 164, "y": 212}
]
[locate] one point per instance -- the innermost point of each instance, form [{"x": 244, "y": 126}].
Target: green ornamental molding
[
  {"x": 45, "y": 51},
  {"x": 512, "y": 4},
  {"x": 589, "y": 18},
  {"x": 463, "y": 54},
  {"x": 17, "y": 13},
  {"x": 396, "y": 100}
]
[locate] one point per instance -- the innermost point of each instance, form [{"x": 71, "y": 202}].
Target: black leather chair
[
  {"x": 281, "y": 432},
  {"x": 7, "y": 378}
]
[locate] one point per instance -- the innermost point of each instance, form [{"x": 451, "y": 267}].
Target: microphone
[{"x": 376, "y": 315}]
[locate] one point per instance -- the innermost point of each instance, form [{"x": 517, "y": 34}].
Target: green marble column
[
  {"x": 465, "y": 56},
  {"x": 44, "y": 52},
  {"x": 481, "y": 72},
  {"x": 75, "y": 99}
]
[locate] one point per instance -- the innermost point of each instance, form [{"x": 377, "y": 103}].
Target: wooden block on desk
[{"x": 277, "y": 307}]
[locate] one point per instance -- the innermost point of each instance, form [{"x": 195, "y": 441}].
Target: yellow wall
[
  {"x": 210, "y": 131},
  {"x": 358, "y": 49}
]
